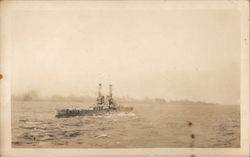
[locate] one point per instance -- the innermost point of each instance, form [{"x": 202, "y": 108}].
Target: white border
[{"x": 7, "y": 7}]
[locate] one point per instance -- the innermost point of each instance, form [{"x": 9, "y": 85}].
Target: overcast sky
[{"x": 174, "y": 54}]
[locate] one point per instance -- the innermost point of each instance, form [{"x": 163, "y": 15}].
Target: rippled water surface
[{"x": 34, "y": 125}]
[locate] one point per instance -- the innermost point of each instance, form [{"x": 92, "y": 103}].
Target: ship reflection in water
[{"x": 102, "y": 106}]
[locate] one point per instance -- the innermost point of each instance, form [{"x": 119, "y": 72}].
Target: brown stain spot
[
  {"x": 192, "y": 136},
  {"x": 190, "y": 123},
  {"x": 1, "y": 76},
  {"x": 192, "y": 155}
]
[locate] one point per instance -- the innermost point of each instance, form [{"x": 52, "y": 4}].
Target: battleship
[{"x": 104, "y": 105}]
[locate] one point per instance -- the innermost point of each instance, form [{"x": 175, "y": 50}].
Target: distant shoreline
[{"x": 171, "y": 102}]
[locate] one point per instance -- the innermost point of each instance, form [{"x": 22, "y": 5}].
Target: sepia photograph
[{"x": 124, "y": 75}]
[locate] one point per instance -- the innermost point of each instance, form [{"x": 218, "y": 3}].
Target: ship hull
[{"x": 66, "y": 113}]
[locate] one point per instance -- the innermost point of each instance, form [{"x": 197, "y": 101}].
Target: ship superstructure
[{"x": 103, "y": 105}]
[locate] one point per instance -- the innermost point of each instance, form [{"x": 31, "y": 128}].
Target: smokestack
[
  {"x": 99, "y": 91},
  {"x": 110, "y": 90}
]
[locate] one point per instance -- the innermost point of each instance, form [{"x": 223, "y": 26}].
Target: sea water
[{"x": 148, "y": 126}]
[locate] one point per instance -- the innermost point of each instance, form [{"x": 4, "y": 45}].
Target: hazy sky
[{"x": 174, "y": 54}]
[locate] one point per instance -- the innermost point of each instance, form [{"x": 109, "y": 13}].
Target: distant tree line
[{"x": 34, "y": 96}]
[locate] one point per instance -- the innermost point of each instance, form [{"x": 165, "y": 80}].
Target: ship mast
[
  {"x": 100, "y": 98},
  {"x": 110, "y": 91},
  {"x": 99, "y": 90},
  {"x": 110, "y": 100}
]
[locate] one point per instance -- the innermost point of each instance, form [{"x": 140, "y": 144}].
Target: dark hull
[{"x": 65, "y": 113}]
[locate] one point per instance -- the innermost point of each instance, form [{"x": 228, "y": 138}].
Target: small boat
[{"x": 102, "y": 106}]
